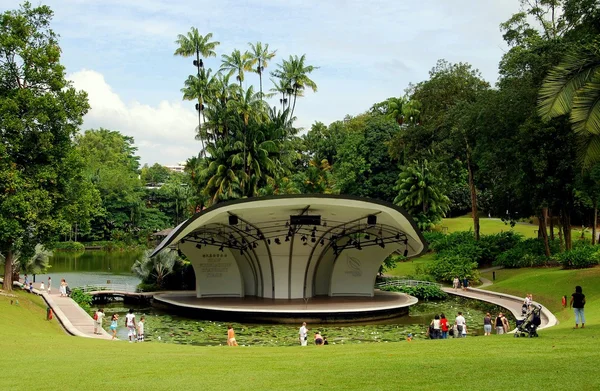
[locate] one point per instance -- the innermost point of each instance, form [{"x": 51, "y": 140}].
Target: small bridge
[
  {"x": 404, "y": 282},
  {"x": 125, "y": 291}
]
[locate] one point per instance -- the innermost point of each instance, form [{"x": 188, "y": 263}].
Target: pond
[
  {"x": 166, "y": 328},
  {"x": 91, "y": 267}
]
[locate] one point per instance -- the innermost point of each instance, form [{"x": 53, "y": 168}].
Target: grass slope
[
  {"x": 548, "y": 285},
  {"x": 36, "y": 354}
]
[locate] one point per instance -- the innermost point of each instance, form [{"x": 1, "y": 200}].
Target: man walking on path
[
  {"x": 577, "y": 303},
  {"x": 303, "y": 334},
  {"x": 130, "y": 322}
]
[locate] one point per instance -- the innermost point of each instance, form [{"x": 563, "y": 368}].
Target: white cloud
[{"x": 163, "y": 133}]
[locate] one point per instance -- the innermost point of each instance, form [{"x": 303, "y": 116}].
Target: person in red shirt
[{"x": 444, "y": 326}]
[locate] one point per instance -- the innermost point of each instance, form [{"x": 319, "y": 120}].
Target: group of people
[
  {"x": 440, "y": 328},
  {"x": 63, "y": 289},
  {"x": 463, "y": 283},
  {"x": 303, "y": 337},
  {"x": 135, "y": 330}
]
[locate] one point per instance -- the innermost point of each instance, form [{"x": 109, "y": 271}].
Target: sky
[{"x": 121, "y": 54}]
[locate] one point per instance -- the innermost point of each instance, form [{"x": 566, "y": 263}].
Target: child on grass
[{"x": 140, "y": 329}]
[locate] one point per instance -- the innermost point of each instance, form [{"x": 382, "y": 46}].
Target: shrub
[
  {"x": 82, "y": 298},
  {"x": 494, "y": 245},
  {"x": 452, "y": 240},
  {"x": 433, "y": 237},
  {"x": 69, "y": 246},
  {"x": 143, "y": 287},
  {"x": 424, "y": 292},
  {"x": 579, "y": 257},
  {"x": 445, "y": 268},
  {"x": 527, "y": 253}
]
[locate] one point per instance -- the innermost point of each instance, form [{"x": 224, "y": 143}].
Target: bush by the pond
[
  {"x": 445, "y": 267},
  {"x": 164, "y": 271},
  {"x": 69, "y": 246},
  {"x": 423, "y": 292},
  {"x": 82, "y": 298},
  {"x": 581, "y": 256},
  {"x": 527, "y": 253}
]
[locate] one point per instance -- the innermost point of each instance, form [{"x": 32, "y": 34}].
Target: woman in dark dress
[{"x": 577, "y": 303}]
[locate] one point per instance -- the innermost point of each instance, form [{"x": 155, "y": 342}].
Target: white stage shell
[{"x": 261, "y": 254}]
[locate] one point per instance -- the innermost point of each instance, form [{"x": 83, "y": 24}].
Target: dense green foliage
[
  {"x": 579, "y": 257},
  {"x": 82, "y": 298},
  {"x": 423, "y": 292},
  {"x": 69, "y": 246},
  {"x": 165, "y": 271},
  {"x": 40, "y": 113}
]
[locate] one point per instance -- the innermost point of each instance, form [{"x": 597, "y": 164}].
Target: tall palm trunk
[
  {"x": 199, "y": 106},
  {"x": 594, "y": 222},
  {"x": 8, "y": 272},
  {"x": 294, "y": 106},
  {"x": 260, "y": 82},
  {"x": 474, "y": 212},
  {"x": 551, "y": 218},
  {"x": 543, "y": 229}
]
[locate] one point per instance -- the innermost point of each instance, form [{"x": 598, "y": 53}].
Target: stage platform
[{"x": 319, "y": 309}]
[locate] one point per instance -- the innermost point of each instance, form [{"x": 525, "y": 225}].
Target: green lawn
[
  {"x": 37, "y": 353},
  {"x": 548, "y": 285},
  {"x": 407, "y": 268},
  {"x": 488, "y": 226}
]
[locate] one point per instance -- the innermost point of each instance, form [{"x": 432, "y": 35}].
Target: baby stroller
[{"x": 527, "y": 327}]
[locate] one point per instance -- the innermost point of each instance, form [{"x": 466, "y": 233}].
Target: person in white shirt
[
  {"x": 99, "y": 315},
  {"x": 130, "y": 322},
  {"x": 461, "y": 324},
  {"x": 303, "y": 334},
  {"x": 140, "y": 329},
  {"x": 455, "y": 283}
]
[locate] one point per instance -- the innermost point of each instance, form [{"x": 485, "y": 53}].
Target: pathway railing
[
  {"x": 402, "y": 282},
  {"x": 108, "y": 287}
]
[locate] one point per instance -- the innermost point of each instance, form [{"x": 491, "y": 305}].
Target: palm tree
[
  {"x": 197, "y": 88},
  {"x": 155, "y": 268},
  {"x": 236, "y": 63},
  {"x": 284, "y": 87},
  {"x": 38, "y": 263},
  {"x": 296, "y": 71},
  {"x": 247, "y": 105},
  {"x": 259, "y": 55},
  {"x": 418, "y": 192},
  {"x": 573, "y": 86},
  {"x": 194, "y": 44},
  {"x": 395, "y": 110}
]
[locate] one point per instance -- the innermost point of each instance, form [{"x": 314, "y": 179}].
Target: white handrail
[
  {"x": 108, "y": 287},
  {"x": 399, "y": 282}
]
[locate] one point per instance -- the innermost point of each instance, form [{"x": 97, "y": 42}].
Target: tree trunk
[
  {"x": 294, "y": 106},
  {"x": 260, "y": 82},
  {"x": 474, "y": 213},
  {"x": 544, "y": 231},
  {"x": 8, "y": 272},
  {"x": 594, "y": 223},
  {"x": 199, "y": 107},
  {"x": 551, "y": 218},
  {"x": 566, "y": 226},
  {"x": 560, "y": 233}
]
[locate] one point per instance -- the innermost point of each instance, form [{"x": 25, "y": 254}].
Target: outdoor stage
[{"x": 318, "y": 309}]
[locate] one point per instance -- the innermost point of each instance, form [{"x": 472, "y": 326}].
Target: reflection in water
[
  {"x": 181, "y": 330},
  {"x": 91, "y": 267}
]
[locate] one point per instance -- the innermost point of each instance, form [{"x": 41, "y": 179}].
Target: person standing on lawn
[
  {"x": 303, "y": 334},
  {"x": 130, "y": 323},
  {"x": 577, "y": 303},
  {"x": 444, "y": 326}
]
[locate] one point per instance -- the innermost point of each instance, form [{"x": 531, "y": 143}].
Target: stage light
[
  {"x": 182, "y": 241},
  {"x": 322, "y": 242},
  {"x": 397, "y": 236},
  {"x": 221, "y": 248},
  {"x": 247, "y": 228},
  {"x": 313, "y": 239},
  {"x": 303, "y": 238},
  {"x": 241, "y": 251},
  {"x": 269, "y": 241},
  {"x": 367, "y": 236},
  {"x": 406, "y": 252},
  {"x": 324, "y": 223},
  {"x": 254, "y": 245},
  {"x": 312, "y": 235},
  {"x": 277, "y": 241},
  {"x": 198, "y": 246},
  {"x": 287, "y": 238},
  {"x": 287, "y": 224},
  {"x": 212, "y": 240},
  {"x": 382, "y": 245}
]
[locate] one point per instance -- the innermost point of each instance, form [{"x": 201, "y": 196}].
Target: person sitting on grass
[{"x": 318, "y": 339}]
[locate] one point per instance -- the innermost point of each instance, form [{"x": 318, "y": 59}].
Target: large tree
[
  {"x": 259, "y": 56},
  {"x": 40, "y": 112}
]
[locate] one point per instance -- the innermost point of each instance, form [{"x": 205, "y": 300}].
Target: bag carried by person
[{"x": 95, "y": 316}]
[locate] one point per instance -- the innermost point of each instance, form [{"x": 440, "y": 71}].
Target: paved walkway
[{"x": 69, "y": 314}]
